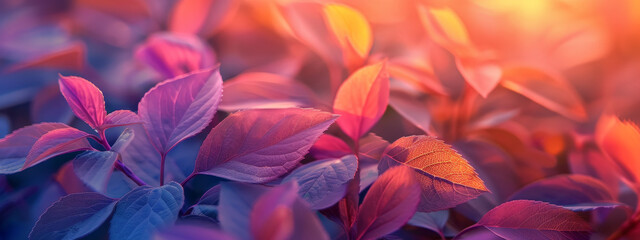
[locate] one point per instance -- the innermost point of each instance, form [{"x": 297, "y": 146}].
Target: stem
[
  {"x": 163, "y": 156},
  {"x": 124, "y": 169},
  {"x": 103, "y": 140},
  {"x": 187, "y": 179},
  {"x": 627, "y": 227}
]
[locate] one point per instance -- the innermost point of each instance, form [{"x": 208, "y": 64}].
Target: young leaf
[
  {"x": 280, "y": 214},
  {"x": 15, "y": 147},
  {"x": 524, "y": 219},
  {"x": 172, "y": 55},
  {"x": 85, "y": 99},
  {"x": 362, "y": 99},
  {"x": 264, "y": 90},
  {"x": 445, "y": 177},
  {"x": 73, "y": 216},
  {"x": 120, "y": 118},
  {"x": 144, "y": 210},
  {"x": 260, "y": 145},
  {"x": 180, "y": 108},
  {"x": 389, "y": 204},
  {"x": 323, "y": 183},
  {"x": 57, "y": 142},
  {"x": 236, "y": 202},
  {"x": 95, "y": 168}
]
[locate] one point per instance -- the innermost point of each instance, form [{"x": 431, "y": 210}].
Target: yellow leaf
[{"x": 350, "y": 27}]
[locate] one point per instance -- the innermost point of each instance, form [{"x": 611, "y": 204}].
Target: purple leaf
[
  {"x": 323, "y": 183},
  {"x": 95, "y": 168},
  {"x": 264, "y": 90},
  {"x": 236, "y": 202},
  {"x": 73, "y": 216},
  {"x": 189, "y": 232},
  {"x": 172, "y": 55},
  {"x": 565, "y": 190},
  {"x": 85, "y": 99},
  {"x": 15, "y": 147},
  {"x": 180, "y": 108},
  {"x": 144, "y": 210},
  {"x": 262, "y": 144},
  {"x": 57, "y": 142},
  {"x": 120, "y": 118},
  {"x": 280, "y": 214},
  {"x": 524, "y": 219},
  {"x": 389, "y": 204}
]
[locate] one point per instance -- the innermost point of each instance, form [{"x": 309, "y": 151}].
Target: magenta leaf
[
  {"x": 85, "y": 99},
  {"x": 264, "y": 90},
  {"x": 180, "y": 108},
  {"x": 260, "y": 145},
  {"x": 144, "y": 210},
  {"x": 525, "y": 219},
  {"x": 95, "y": 168},
  {"x": 172, "y": 55},
  {"x": 57, "y": 142},
  {"x": 73, "y": 216},
  {"x": 329, "y": 146},
  {"x": 323, "y": 183},
  {"x": 236, "y": 202},
  {"x": 279, "y": 214},
  {"x": 120, "y": 118},
  {"x": 15, "y": 147},
  {"x": 389, "y": 204}
]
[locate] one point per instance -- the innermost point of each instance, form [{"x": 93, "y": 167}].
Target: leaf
[
  {"x": 73, "y": 216},
  {"x": 120, "y": 118},
  {"x": 589, "y": 160},
  {"x": 445, "y": 177},
  {"x": 262, "y": 144},
  {"x": 323, "y": 183},
  {"x": 85, "y": 99},
  {"x": 534, "y": 220},
  {"x": 620, "y": 140},
  {"x": 68, "y": 58},
  {"x": 447, "y": 29},
  {"x": 434, "y": 221},
  {"x": 565, "y": 190},
  {"x": 264, "y": 90},
  {"x": 144, "y": 210},
  {"x": 200, "y": 17},
  {"x": 124, "y": 140},
  {"x": 280, "y": 214},
  {"x": 548, "y": 90},
  {"x": 483, "y": 76},
  {"x": 57, "y": 142},
  {"x": 180, "y": 108},
  {"x": 172, "y": 55},
  {"x": 15, "y": 147},
  {"x": 352, "y": 30},
  {"x": 389, "y": 204},
  {"x": 189, "y": 232},
  {"x": 362, "y": 99},
  {"x": 95, "y": 168},
  {"x": 329, "y": 146},
  {"x": 236, "y": 202}
]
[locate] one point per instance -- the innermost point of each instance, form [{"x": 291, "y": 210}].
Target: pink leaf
[
  {"x": 85, "y": 99},
  {"x": 172, "y": 55},
  {"x": 55, "y": 143},
  {"x": 329, "y": 146},
  {"x": 525, "y": 219},
  {"x": 389, "y": 204},
  {"x": 120, "y": 118},
  {"x": 200, "y": 16},
  {"x": 362, "y": 99},
  {"x": 180, "y": 108},
  {"x": 482, "y": 76},
  {"x": 264, "y": 90},
  {"x": 15, "y": 147},
  {"x": 262, "y": 144}
]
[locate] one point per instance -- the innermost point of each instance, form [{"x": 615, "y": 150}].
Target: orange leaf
[
  {"x": 70, "y": 58},
  {"x": 621, "y": 142},
  {"x": 362, "y": 99},
  {"x": 550, "y": 91},
  {"x": 483, "y": 76},
  {"x": 445, "y": 177},
  {"x": 446, "y": 29}
]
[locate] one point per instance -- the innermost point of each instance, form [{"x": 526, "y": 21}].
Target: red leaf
[
  {"x": 362, "y": 100},
  {"x": 446, "y": 178},
  {"x": 389, "y": 204},
  {"x": 85, "y": 99},
  {"x": 57, "y": 142},
  {"x": 120, "y": 118}
]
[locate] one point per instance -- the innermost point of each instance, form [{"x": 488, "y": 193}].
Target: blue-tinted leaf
[
  {"x": 57, "y": 142},
  {"x": 433, "y": 221},
  {"x": 15, "y": 147},
  {"x": 323, "y": 183},
  {"x": 123, "y": 141},
  {"x": 144, "y": 210},
  {"x": 180, "y": 107},
  {"x": 236, "y": 202},
  {"x": 73, "y": 216},
  {"x": 191, "y": 232},
  {"x": 95, "y": 168}
]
